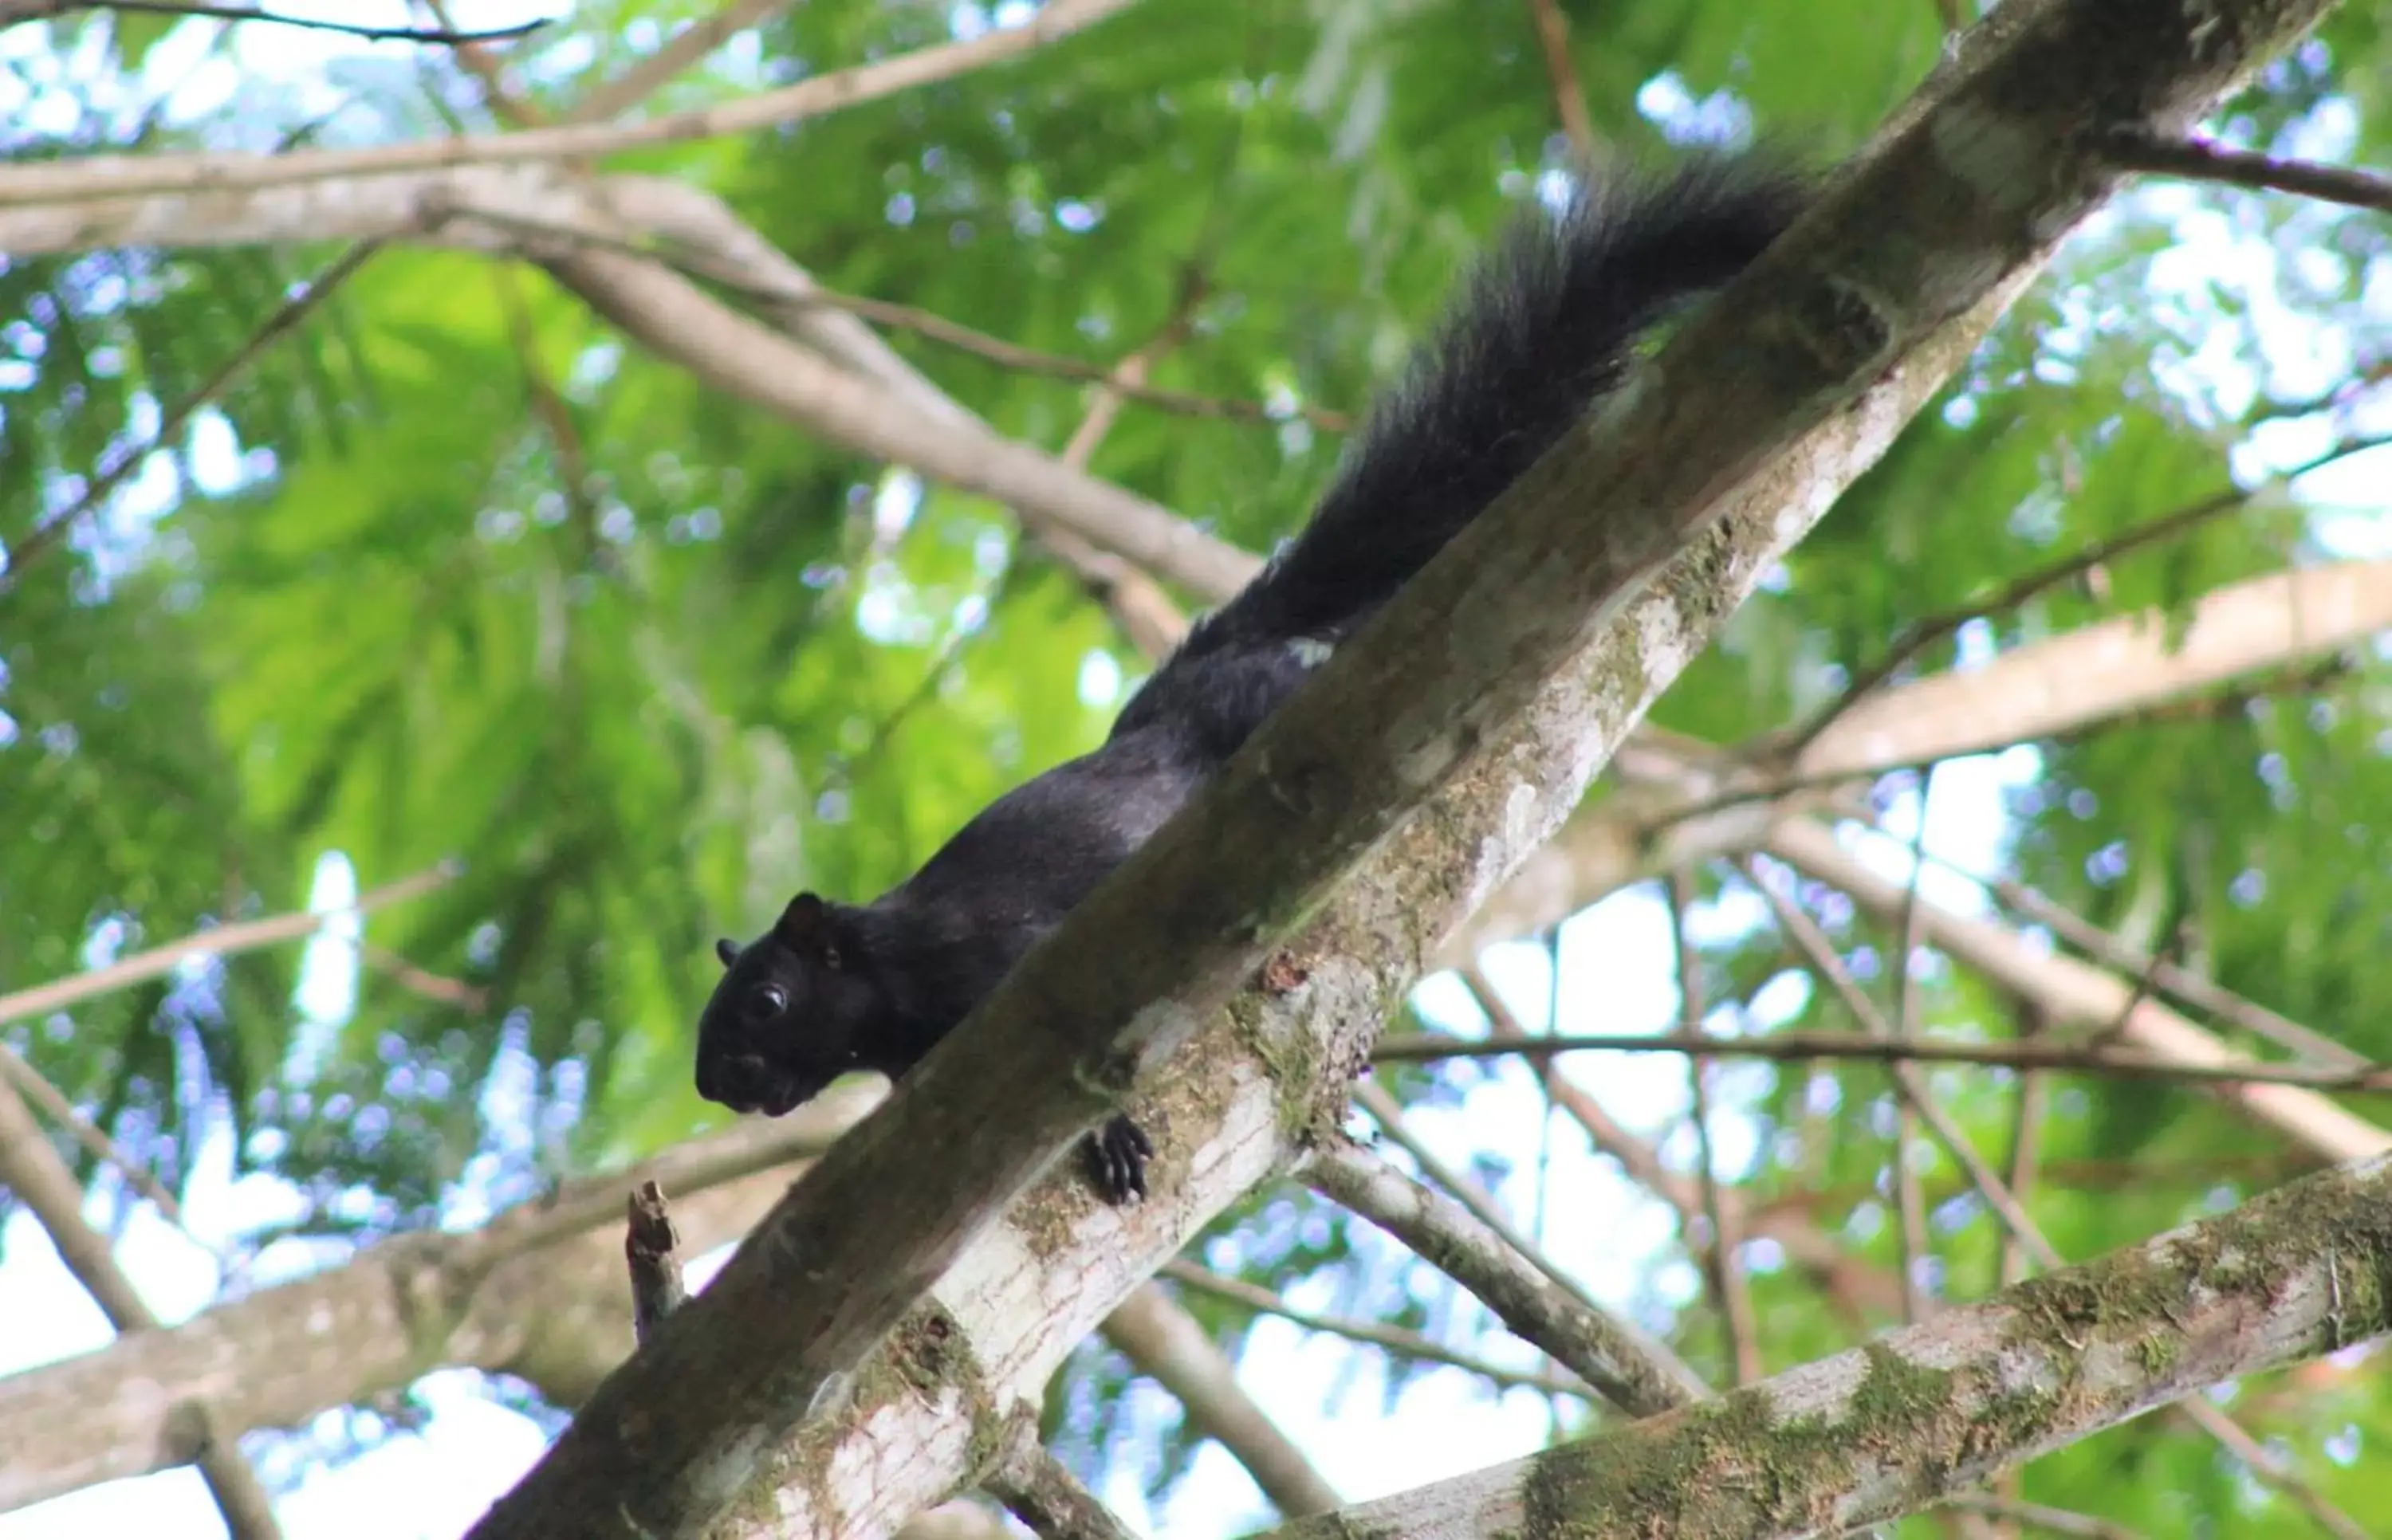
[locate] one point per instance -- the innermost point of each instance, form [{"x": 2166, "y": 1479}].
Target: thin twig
[
  {"x": 677, "y": 53},
  {"x": 1136, "y": 602},
  {"x": 584, "y": 1203},
  {"x": 2026, "y": 1140},
  {"x": 2056, "y": 1520},
  {"x": 2138, "y": 149},
  {"x": 2026, "y": 1137},
  {"x": 2340, "y": 393},
  {"x": 2303, "y": 681},
  {"x": 1924, "y": 633},
  {"x": 1722, "y": 1262},
  {"x": 1028, "y": 360},
  {"x": 293, "y": 310},
  {"x": 1401, "y": 1047},
  {"x": 1569, "y": 96},
  {"x": 454, "y": 992},
  {"x": 651, "y": 1251},
  {"x": 1646, "y": 1355},
  {"x": 1820, "y": 953},
  {"x": 1147, "y": 615},
  {"x": 2171, "y": 979},
  {"x": 549, "y": 407},
  {"x": 2269, "y": 1466},
  {"x": 2178, "y": 940},
  {"x": 435, "y": 36},
  {"x": 2167, "y": 977},
  {"x": 1164, "y": 1340},
  {"x": 1491, "y": 999},
  {"x": 36, "y": 1087},
  {"x": 2092, "y": 1175},
  {"x": 1623, "y": 1363},
  {"x": 87, "y": 177},
  {"x": 1909, "y": 1201},
  {"x": 1407, "y": 1344},
  {"x": 1860, "y": 1293},
  {"x": 219, "y": 941},
  {"x": 710, "y": 267}
]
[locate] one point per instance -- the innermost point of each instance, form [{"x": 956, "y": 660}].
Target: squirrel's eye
[{"x": 765, "y": 1002}]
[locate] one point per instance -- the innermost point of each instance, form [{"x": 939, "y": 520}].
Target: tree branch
[
  {"x": 1395, "y": 1339},
  {"x": 215, "y": 941},
  {"x": 2007, "y": 1205},
  {"x": 38, "y": 1179},
  {"x": 2182, "y": 983},
  {"x": 1165, "y": 1343},
  {"x": 1922, "y": 634},
  {"x": 1625, "y": 1368},
  {"x": 2057, "y": 1521},
  {"x": 681, "y": 322},
  {"x": 677, "y": 53},
  {"x": 35, "y": 1087},
  {"x": 1802, "y": 1045},
  {"x": 285, "y": 318},
  {"x": 1028, "y": 360},
  {"x": 115, "y": 176},
  {"x": 536, "y": 1292},
  {"x": 2201, "y": 160},
  {"x": 651, "y": 1251},
  {"x": 2091, "y": 674},
  {"x": 1859, "y": 1291},
  {"x": 1882, "y": 1430},
  {"x": 2075, "y": 993},
  {"x": 1723, "y": 1270},
  {"x": 1569, "y": 96},
  {"x": 1547, "y": 761},
  {"x": 1043, "y": 1492},
  {"x": 37, "y": 10}
]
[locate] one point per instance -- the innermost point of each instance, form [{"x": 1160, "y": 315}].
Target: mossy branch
[{"x": 1901, "y": 1423}]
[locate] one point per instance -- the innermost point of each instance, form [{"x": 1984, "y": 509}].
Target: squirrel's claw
[{"x": 1117, "y": 1157}]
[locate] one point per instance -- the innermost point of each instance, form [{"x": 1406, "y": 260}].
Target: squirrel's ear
[
  {"x": 807, "y": 927},
  {"x": 727, "y": 949},
  {"x": 805, "y": 924}
]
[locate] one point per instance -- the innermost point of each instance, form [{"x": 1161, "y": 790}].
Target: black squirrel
[{"x": 1548, "y": 321}]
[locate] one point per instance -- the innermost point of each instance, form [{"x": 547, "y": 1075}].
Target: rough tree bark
[{"x": 1876, "y": 1431}]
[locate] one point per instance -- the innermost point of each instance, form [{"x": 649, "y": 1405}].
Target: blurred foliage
[{"x": 454, "y": 571}]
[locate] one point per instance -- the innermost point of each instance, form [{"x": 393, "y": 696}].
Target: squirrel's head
[{"x": 793, "y": 1013}]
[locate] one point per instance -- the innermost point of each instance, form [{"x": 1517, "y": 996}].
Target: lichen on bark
[{"x": 1893, "y": 1426}]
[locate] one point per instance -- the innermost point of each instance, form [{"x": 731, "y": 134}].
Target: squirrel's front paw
[{"x": 1117, "y": 1157}]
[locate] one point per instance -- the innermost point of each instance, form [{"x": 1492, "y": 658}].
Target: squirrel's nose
[{"x": 741, "y": 1081}]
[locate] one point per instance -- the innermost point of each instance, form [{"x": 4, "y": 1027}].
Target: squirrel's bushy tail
[{"x": 1548, "y": 321}]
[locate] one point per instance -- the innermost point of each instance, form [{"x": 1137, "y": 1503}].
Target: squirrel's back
[
  {"x": 1548, "y": 320},
  {"x": 1546, "y": 324}
]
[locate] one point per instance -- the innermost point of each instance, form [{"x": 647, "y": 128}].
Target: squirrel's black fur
[{"x": 1547, "y": 322}]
